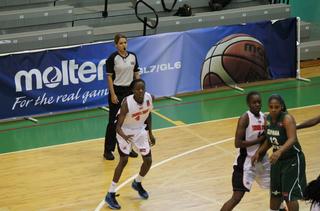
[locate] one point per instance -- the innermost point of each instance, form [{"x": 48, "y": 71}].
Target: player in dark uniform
[{"x": 288, "y": 178}]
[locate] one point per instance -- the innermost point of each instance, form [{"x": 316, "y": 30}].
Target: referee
[{"x": 122, "y": 69}]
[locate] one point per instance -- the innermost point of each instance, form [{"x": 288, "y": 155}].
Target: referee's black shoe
[{"x": 133, "y": 154}]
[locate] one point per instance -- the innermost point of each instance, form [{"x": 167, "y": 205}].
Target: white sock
[
  {"x": 138, "y": 178},
  {"x": 113, "y": 187}
]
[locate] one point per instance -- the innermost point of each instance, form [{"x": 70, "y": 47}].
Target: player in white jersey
[
  {"x": 248, "y": 137},
  {"x": 134, "y": 113}
]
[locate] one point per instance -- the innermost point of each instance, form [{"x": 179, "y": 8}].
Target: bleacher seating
[
  {"x": 35, "y": 16},
  {"x": 304, "y": 30},
  {"x": 310, "y": 50},
  {"x": 81, "y": 3},
  {"x": 206, "y": 19},
  {"x": 224, "y": 17},
  {"x": 45, "y": 39},
  {"x": 16, "y": 3},
  {"x": 33, "y": 24},
  {"x": 156, "y": 4}
]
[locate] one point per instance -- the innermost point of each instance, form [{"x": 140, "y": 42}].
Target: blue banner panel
[{"x": 172, "y": 63}]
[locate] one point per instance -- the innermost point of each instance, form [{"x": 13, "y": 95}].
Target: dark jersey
[{"x": 277, "y": 136}]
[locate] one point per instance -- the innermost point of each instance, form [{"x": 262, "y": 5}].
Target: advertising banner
[{"x": 172, "y": 63}]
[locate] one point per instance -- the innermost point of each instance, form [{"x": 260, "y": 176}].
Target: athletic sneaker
[
  {"x": 138, "y": 187},
  {"x": 112, "y": 201}
]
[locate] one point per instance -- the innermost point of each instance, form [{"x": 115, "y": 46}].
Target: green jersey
[{"x": 277, "y": 136}]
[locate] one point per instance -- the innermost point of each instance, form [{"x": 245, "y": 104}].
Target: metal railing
[
  {"x": 144, "y": 20},
  {"x": 279, "y": 1},
  {"x": 105, "y": 11},
  {"x": 165, "y": 7}
]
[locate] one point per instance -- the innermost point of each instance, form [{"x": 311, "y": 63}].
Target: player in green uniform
[{"x": 288, "y": 178}]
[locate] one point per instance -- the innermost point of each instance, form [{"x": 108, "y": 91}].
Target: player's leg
[
  {"x": 124, "y": 150},
  {"x": 276, "y": 186},
  {"x": 294, "y": 181},
  {"x": 233, "y": 201},
  {"x": 142, "y": 144},
  {"x": 242, "y": 179},
  {"x": 275, "y": 202},
  {"x": 263, "y": 177}
]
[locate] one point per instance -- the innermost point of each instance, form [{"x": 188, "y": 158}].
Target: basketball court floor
[{"x": 57, "y": 164}]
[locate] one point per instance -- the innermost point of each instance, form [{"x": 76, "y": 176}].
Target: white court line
[
  {"x": 102, "y": 203},
  {"x": 96, "y": 139},
  {"x": 229, "y": 118}
]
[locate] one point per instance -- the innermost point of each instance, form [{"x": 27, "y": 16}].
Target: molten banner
[{"x": 75, "y": 78}]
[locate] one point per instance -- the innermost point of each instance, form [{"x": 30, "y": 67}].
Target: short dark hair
[
  {"x": 280, "y": 100},
  {"x": 135, "y": 81},
  {"x": 118, "y": 36},
  {"x": 250, "y": 94}
]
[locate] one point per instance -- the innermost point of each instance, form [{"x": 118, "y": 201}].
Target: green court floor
[{"x": 91, "y": 124}]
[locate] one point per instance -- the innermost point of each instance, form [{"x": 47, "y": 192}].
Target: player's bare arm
[
  {"x": 309, "y": 123},
  {"x": 123, "y": 111},
  {"x": 240, "y": 136}
]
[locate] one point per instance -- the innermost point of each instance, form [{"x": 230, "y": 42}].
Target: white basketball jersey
[
  {"x": 255, "y": 127},
  {"x": 137, "y": 113}
]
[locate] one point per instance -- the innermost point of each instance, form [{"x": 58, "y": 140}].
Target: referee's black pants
[{"x": 110, "y": 137}]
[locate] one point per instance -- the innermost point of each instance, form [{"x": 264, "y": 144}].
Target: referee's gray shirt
[{"x": 121, "y": 68}]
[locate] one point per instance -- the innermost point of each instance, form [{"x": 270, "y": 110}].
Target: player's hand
[
  {"x": 152, "y": 139},
  {"x": 128, "y": 138},
  {"x": 114, "y": 99},
  {"x": 261, "y": 137},
  {"x": 275, "y": 157},
  {"x": 255, "y": 158}
]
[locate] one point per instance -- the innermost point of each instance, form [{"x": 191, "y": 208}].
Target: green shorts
[{"x": 288, "y": 178}]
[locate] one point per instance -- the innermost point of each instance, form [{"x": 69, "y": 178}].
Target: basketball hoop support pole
[
  {"x": 104, "y": 108},
  {"x": 298, "y": 77},
  {"x": 174, "y": 98},
  {"x": 31, "y": 119},
  {"x": 236, "y": 87}
]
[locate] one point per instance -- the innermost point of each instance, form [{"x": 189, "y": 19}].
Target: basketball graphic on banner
[{"x": 237, "y": 58}]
